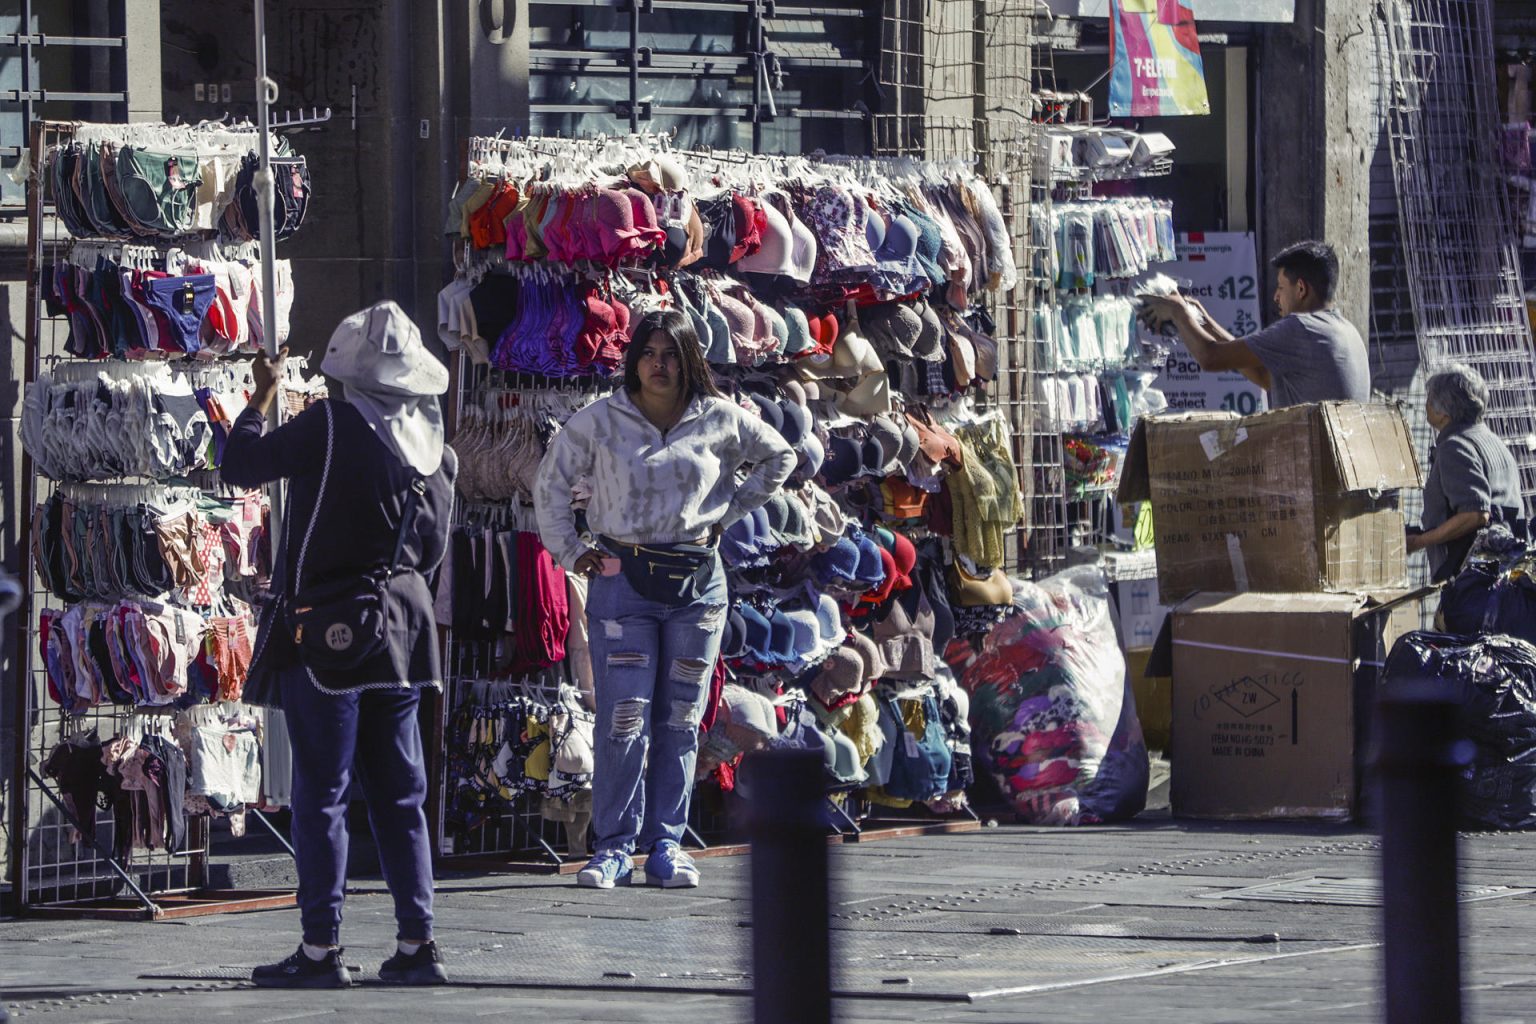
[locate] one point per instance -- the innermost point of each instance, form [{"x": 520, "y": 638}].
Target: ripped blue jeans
[{"x": 651, "y": 666}]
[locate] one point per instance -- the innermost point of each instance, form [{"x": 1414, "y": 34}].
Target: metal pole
[
  {"x": 19, "y": 809},
  {"x": 266, "y": 95},
  {"x": 758, "y": 73},
  {"x": 634, "y": 65},
  {"x": 1421, "y": 755},
  {"x": 791, "y": 948},
  {"x": 273, "y": 829}
]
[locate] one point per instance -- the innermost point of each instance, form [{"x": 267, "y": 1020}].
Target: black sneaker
[
  {"x": 423, "y": 967},
  {"x": 300, "y": 971}
]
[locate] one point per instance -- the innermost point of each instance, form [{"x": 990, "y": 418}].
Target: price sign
[{"x": 1223, "y": 274}]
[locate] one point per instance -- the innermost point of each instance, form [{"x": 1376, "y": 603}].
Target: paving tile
[{"x": 1089, "y": 905}]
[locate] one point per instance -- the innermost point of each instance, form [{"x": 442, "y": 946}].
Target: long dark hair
[{"x": 678, "y": 327}]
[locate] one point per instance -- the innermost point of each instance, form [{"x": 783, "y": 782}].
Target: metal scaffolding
[
  {"x": 955, "y": 84},
  {"x": 1452, "y": 252}
]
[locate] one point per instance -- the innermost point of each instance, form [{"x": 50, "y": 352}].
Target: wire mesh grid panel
[
  {"x": 489, "y": 807},
  {"x": 954, "y": 78},
  {"x": 1050, "y": 512},
  {"x": 58, "y": 862},
  {"x": 1457, "y": 236},
  {"x": 1013, "y": 311},
  {"x": 950, "y": 74},
  {"x": 1397, "y": 369}
]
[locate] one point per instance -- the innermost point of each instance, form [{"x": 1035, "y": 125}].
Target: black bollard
[
  {"x": 1420, "y": 755},
  {"x": 791, "y": 899}
]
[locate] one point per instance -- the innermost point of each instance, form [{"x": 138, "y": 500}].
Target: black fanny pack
[
  {"x": 339, "y": 624},
  {"x": 672, "y": 574}
]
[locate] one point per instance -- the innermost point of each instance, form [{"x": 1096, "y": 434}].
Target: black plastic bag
[
  {"x": 1493, "y": 678},
  {"x": 1483, "y": 599},
  {"x": 1494, "y": 592}
]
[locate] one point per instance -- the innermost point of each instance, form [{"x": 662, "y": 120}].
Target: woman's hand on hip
[{"x": 590, "y": 564}]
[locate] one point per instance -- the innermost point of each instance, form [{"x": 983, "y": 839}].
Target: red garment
[
  {"x": 712, "y": 705},
  {"x": 610, "y": 354},
  {"x": 893, "y": 581},
  {"x": 726, "y": 775},
  {"x": 842, "y": 701},
  {"x": 751, "y": 221},
  {"x": 55, "y": 686},
  {"x": 487, "y": 225},
  {"x": 598, "y": 328},
  {"x": 543, "y": 616}
]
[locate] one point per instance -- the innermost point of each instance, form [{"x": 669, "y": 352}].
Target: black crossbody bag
[
  {"x": 339, "y": 624},
  {"x": 670, "y": 574}
]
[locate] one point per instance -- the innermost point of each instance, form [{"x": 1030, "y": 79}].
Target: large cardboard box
[
  {"x": 1272, "y": 698},
  {"x": 1299, "y": 500}
]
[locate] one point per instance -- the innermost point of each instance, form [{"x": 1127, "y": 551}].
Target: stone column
[{"x": 1315, "y": 140}]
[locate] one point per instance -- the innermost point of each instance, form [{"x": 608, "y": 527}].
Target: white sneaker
[
  {"x": 607, "y": 869},
  {"x": 669, "y": 867}
]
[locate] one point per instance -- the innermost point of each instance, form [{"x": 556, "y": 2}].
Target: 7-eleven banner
[{"x": 1155, "y": 66}]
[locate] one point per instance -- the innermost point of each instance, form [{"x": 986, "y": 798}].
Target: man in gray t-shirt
[{"x": 1312, "y": 354}]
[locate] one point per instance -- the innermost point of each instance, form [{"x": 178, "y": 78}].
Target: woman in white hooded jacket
[{"x": 370, "y": 493}]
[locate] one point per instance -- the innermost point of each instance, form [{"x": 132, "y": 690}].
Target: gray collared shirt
[{"x": 1470, "y": 470}]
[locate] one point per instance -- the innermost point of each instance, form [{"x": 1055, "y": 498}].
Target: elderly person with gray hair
[{"x": 1473, "y": 480}]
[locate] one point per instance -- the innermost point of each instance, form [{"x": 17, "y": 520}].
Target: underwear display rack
[
  {"x": 156, "y": 181},
  {"x": 846, "y": 301},
  {"x": 519, "y": 760},
  {"x": 1097, "y": 367},
  {"x": 198, "y": 298},
  {"x": 145, "y": 569}
]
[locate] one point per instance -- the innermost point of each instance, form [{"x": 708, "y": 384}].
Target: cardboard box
[
  {"x": 1141, "y": 613},
  {"x": 1272, "y": 698},
  {"x": 1300, "y": 500}
]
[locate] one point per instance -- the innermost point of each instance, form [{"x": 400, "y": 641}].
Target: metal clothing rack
[
  {"x": 518, "y": 838},
  {"x": 51, "y": 875}
]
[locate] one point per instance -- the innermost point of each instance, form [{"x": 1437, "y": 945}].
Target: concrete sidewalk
[{"x": 1013, "y": 924}]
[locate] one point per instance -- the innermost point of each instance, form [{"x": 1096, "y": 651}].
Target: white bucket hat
[{"x": 388, "y": 374}]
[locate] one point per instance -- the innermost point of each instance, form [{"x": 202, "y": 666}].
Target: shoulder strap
[{"x": 314, "y": 513}]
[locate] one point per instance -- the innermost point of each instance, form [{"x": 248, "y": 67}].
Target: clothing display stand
[
  {"x": 1077, "y": 387},
  {"x": 63, "y": 864},
  {"x": 485, "y": 738}
]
